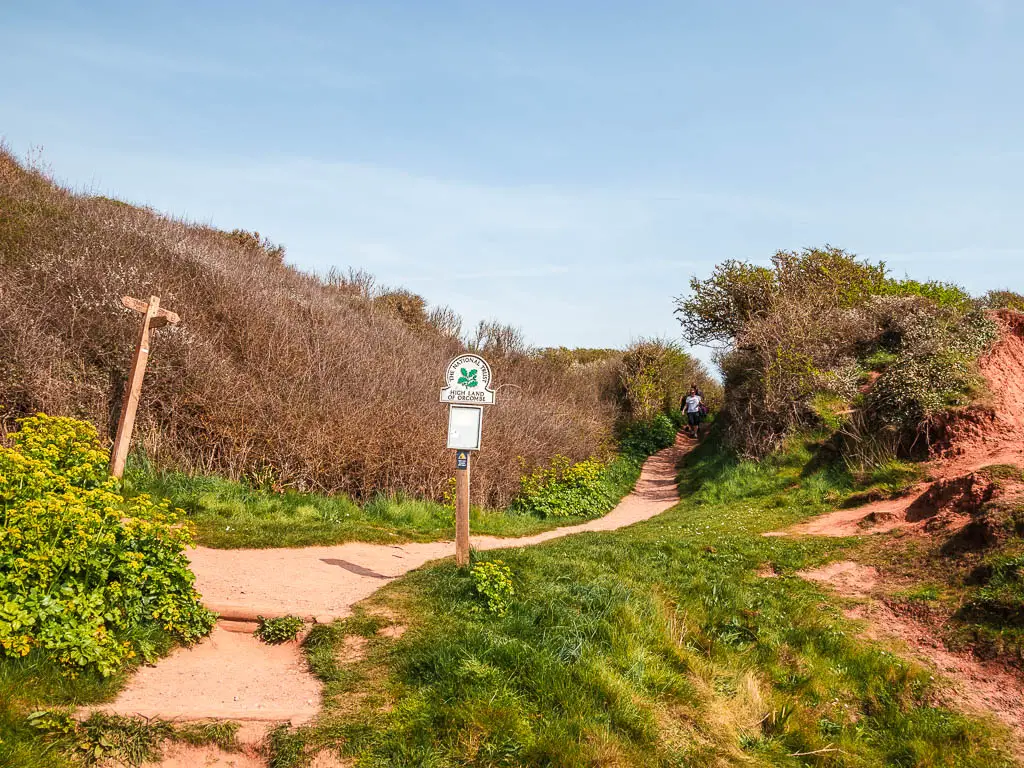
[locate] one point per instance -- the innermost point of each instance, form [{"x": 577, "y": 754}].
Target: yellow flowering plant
[{"x": 85, "y": 572}]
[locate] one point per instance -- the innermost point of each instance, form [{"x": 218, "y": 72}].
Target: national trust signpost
[{"x": 467, "y": 390}]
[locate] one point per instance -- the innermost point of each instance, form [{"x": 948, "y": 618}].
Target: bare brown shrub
[{"x": 322, "y": 383}]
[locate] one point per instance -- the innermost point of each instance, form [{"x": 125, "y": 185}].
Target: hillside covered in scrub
[
  {"x": 822, "y": 340},
  {"x": 300, "y": 381}
]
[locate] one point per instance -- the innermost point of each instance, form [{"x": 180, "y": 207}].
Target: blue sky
[{"x": 563, "y": 166}]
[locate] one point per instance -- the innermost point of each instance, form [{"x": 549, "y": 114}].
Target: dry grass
[{"x": 274, "y": 374}]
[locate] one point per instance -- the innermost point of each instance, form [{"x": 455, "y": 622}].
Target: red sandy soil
[
  {"x": 878, "y": 517},
  {"x": 187, "y": 756},
  {"x": 982, "y": 688},
  {"x": 975, "y": 441},
  {"x": 231, "y": 675},
  {"x": 997, "y": 436}
]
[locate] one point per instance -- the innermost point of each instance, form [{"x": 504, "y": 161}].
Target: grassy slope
[
  {"x": 232, "y": 515},
  {"x": 654, "y": 646}
]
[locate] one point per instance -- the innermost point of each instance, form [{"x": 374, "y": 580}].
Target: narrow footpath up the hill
[{"x": 232, "y": 676}]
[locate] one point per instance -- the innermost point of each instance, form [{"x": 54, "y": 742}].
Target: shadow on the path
[{"x": 353, "y": 568}]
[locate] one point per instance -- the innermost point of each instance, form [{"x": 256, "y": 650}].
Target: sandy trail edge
[
  {"x": 969, "y": 685},
  {"x": 232, "y": 676}
]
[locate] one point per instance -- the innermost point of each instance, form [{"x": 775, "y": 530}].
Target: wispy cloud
[{"x": 619, "y": 253}]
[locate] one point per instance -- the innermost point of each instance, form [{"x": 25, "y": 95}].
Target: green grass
[
  {"x": 232, "y": 515},
  {"x": 34, "y": 685},
  {"x": 29, "y": 684},
  {"x": 657, "y": 645}
]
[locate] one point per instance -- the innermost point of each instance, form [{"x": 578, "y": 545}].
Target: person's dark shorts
[{"x": 693, "y": 419}]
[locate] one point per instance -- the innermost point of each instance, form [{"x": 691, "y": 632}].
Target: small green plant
[
  {"x": 61, "y": 728},
  {"x": 468, "y": 378},
  {"x": 279, "y": 630},
  {"x": 104, "y": 739},
  {"x": 493, "y": 582}
]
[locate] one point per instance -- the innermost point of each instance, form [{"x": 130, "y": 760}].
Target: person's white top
[{"x": 692, "y": 403}]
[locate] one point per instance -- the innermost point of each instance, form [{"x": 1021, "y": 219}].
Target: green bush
[
  {"x": 1005, "y": 300},
  {"x": 642, "y": 438},
  {"x": 85, "y": 574},
  {"x": 590, "y": 488},
  {"x": 935, "y": 350},
  {"x": 915, "y": 389},
  {"x": 493, "y": 582},
  {"x": 565, "y": 489},
  {"x": 279, "y": 630},
  {"x": 800, "y": 335}
]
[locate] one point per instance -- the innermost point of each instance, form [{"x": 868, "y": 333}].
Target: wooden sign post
[
  {"x": 467, "y": 389},
  {"x": 462, "y": 508},
  {"x": 153, "y": 317}
]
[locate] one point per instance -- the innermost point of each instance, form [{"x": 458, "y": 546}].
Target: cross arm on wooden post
[{"x": 153, "y": 317}]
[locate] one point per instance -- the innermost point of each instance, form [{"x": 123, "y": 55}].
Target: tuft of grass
[
  {"x": 1003, "y": 473},
  {"x": 651, "y": 646},
  {"x": 880, "y": 359},
  {"x": 830, "y": 409},
  {"x": 221, "y": 733},
  {"x": 921, "y": 593}
]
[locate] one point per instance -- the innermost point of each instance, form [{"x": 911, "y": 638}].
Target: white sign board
[
  {"x": 465, "y": 425},
  {"x": 468, "y": 380}
]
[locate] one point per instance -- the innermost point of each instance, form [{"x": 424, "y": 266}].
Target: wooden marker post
[
  {"x": 467, "y": 391},
  {"x": 153, "y": 318},
  {"x": 462, "y": 508}
]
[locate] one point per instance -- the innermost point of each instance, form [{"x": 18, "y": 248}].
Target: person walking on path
[{"x": 692, "y": 405}]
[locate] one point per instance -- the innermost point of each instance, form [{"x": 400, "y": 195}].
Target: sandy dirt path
[
  {"x": 230, "y": 675},
  {"x": 323, "y": 583}
]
